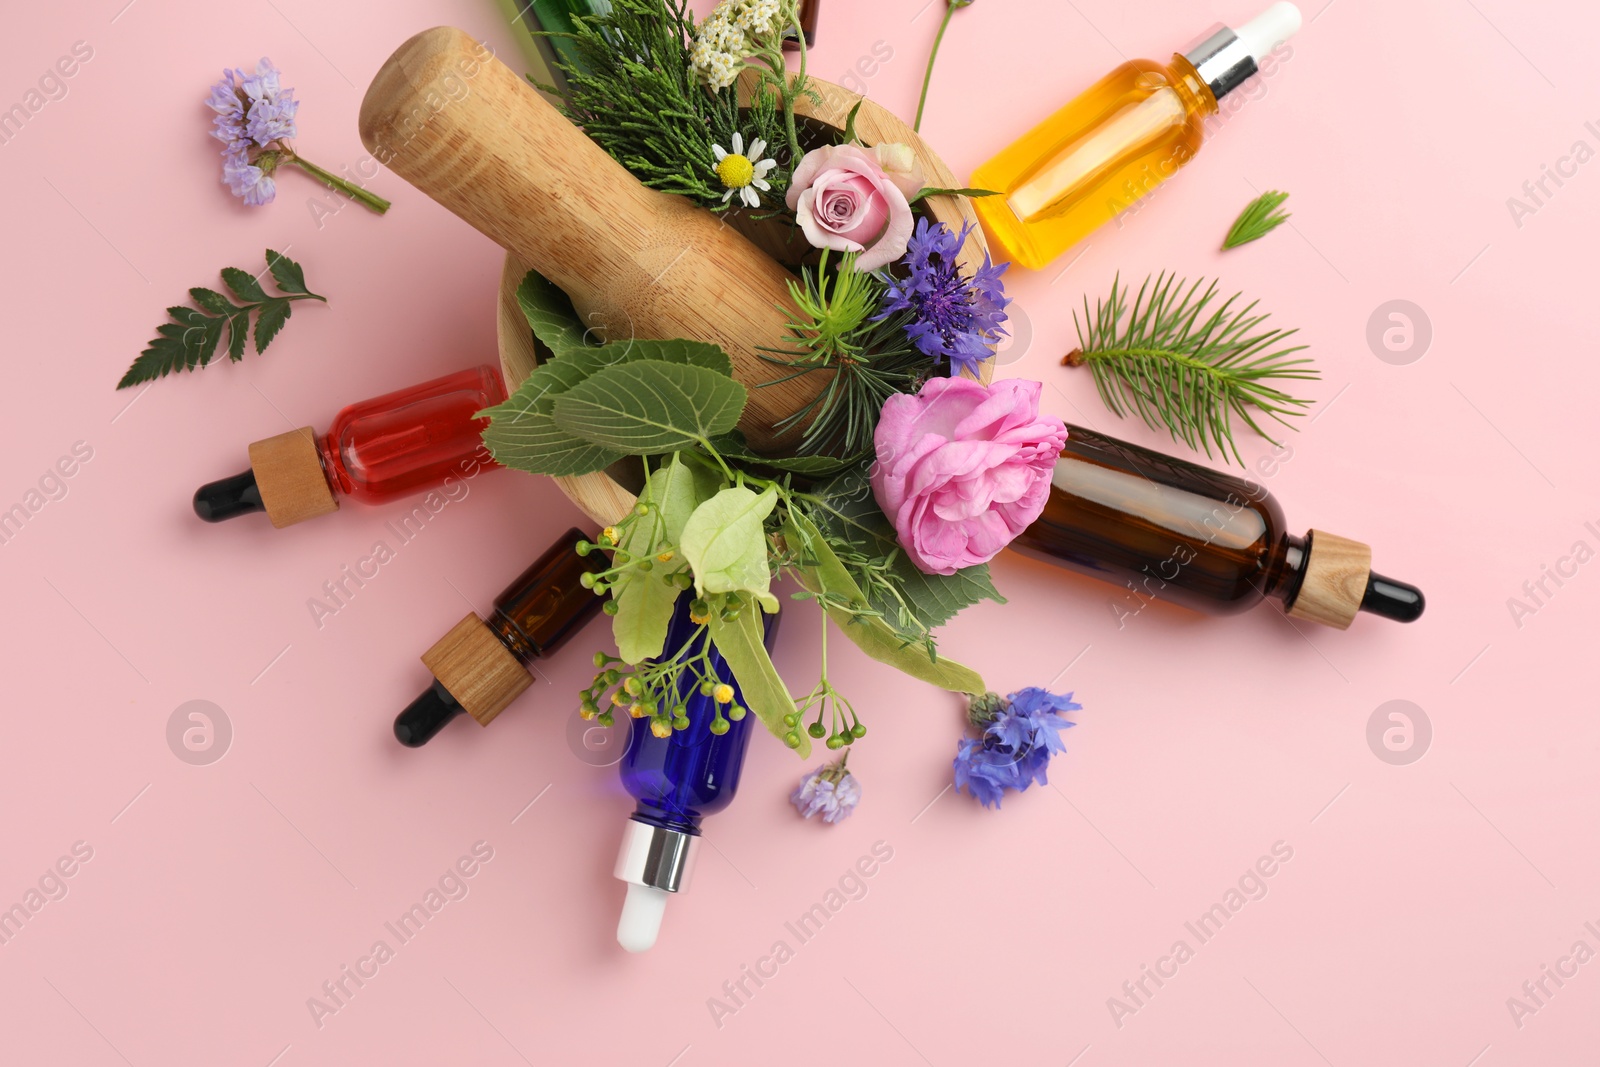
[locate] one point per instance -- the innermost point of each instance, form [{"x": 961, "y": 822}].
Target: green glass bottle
[{"x": 535, "y": 18}]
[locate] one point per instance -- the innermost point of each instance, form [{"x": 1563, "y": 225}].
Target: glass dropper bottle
[
  {"x": 480, "y": 666},
  {"x": 1167, "y": 529},
  {"x": 377, "y": 450},
  {"x": 677, "y": 781}
]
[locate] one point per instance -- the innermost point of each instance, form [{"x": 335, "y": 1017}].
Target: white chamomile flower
[{"x": 743, "y": 172}]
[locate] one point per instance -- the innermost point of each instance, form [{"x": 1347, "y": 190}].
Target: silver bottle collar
[
  {"x": 655, "y": 856},
  {"x": 1223, "y": 60}
]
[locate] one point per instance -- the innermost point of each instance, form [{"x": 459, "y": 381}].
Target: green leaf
[
  {"x": 827, "y": 575},
  {"x": 651, "y": 406},
  {"x": 238, "y": 334},
  {"x": 287, "y": 273},
  {"x": 1259, "y": 218},
  {"x": 764, "y": 692},
  {"x": 850, "y": 136},
  {"x": 522, "y": 432},
  {"x": 274, "y": 313},
  {"x": 190, "y": 339},
  {"x": 847, "y": 513},
  {"x": 732, "y": 446},
  {"x": 212, "y": 301},
  {"x": 973, "y": 193},
  {"x": 243, "y": 284},
  {"x": 726, "y": 544},
  {"x": 645, "y": 599},
  {"x": 550, "y": 314}
]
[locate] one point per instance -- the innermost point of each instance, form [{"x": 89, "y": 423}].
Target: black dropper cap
[
  {"x": 229, "y": 498},
  {"x": 1391, "y": 599},
  {"x": 426, "y": 716}
]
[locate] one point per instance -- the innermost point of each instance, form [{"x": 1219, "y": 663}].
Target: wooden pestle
[{"x": 457, "y": 123}]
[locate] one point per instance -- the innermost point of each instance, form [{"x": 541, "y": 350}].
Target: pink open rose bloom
[
  {"x": 963, "y": 468},
  {"x": 852, "y": 199}
]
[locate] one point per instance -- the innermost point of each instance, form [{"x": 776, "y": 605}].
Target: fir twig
[
  {"x": 190, "y": 340},
  {"x": 1182, "y": 361},
  {"x": 1259, "y": 218}
]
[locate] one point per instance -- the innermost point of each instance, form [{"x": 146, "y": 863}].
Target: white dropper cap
[
  {"x": 1269, "y": 29},
  {"x": 641, "y": 917}
]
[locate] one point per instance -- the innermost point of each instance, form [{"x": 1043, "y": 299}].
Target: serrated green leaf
[
  {"x": 847, "y": 512},
  {"x": 244, "y": 285},
  {"x": 645, "y": 599},
  {"x": 190, "y": 340},
  {"x": 650, "y": 406},
  {"x": 550, "y": 314},
  {"x": 732, "y": 446},
  {"x": 287, "y": 273},
  {"x": 271, "y": 319},
  {"x": 726, "y": 544},
  {"x": 212, "y": 301},
  {"x": 764, "y": 692},
  {"x": 872, "y": 635},
  {"x": 238, "y": 334}
]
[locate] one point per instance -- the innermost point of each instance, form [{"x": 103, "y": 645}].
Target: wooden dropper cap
[
  {"x": 289, "y": 476},
  {"x": 1337, "y": 583},
  {"x": 285, "y": 479}
]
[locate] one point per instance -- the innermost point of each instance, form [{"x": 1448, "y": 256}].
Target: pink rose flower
[
  {"x": 963, "y": 468},
  {"x": 846, "y": 201}
]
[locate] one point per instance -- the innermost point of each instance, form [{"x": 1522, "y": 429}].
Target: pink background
[{"x": 219, "y": 898}]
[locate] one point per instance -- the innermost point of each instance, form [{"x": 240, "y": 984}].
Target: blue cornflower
[
  {"x": 952, "y": 316},
  {"x": 1020, "y": 734}
]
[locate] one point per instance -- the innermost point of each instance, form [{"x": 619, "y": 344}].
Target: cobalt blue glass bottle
[{"x": 677, "y": 780}]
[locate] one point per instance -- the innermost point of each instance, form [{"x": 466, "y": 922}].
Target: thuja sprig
[
  {"x": 1181, "y": 360},
  {"x": 1259, "y": 218},
  {"x": 631, "y": 86}
]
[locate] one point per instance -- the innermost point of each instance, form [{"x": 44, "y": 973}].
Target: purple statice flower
[
  {"x": 255, "y": 113},
  {"x": 952, "y": 316},
  {"x": 246, "y": 180},
  {"x": 1020, "y": 734},
  {"x": 830, "y": 790}
]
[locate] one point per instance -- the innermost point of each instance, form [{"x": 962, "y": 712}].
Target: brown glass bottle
[
  {"x": 1164, "y": 528},
  {"x": 808, "y": 24},
  {"x": 481, "y": 666}
]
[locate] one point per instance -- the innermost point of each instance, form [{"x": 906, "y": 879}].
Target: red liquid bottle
[{"x": 390, "y": 446}]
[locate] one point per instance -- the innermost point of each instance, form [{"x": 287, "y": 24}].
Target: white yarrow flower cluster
[{"x": 730, "y": 35}]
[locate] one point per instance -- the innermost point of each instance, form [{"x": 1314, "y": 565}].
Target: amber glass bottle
[
  {"x": 1164, "y": 528},
  {"x": 480, "y": 667}
]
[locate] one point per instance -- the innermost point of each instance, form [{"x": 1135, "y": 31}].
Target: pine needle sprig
[
  {"x": 1181, "y": 360},
  {"x": 190, "y": 340},
  {"x": 1259, "y": 218},
  {"x": 832, "y": 330}
]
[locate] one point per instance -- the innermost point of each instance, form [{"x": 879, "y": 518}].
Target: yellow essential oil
[{"x": 1109, "y": 148}]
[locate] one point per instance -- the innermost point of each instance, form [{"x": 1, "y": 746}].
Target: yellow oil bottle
[{"x": 1109, "y": 148}]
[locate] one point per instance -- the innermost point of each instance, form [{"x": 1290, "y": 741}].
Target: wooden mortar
[{"x": 602, "y": 496}]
